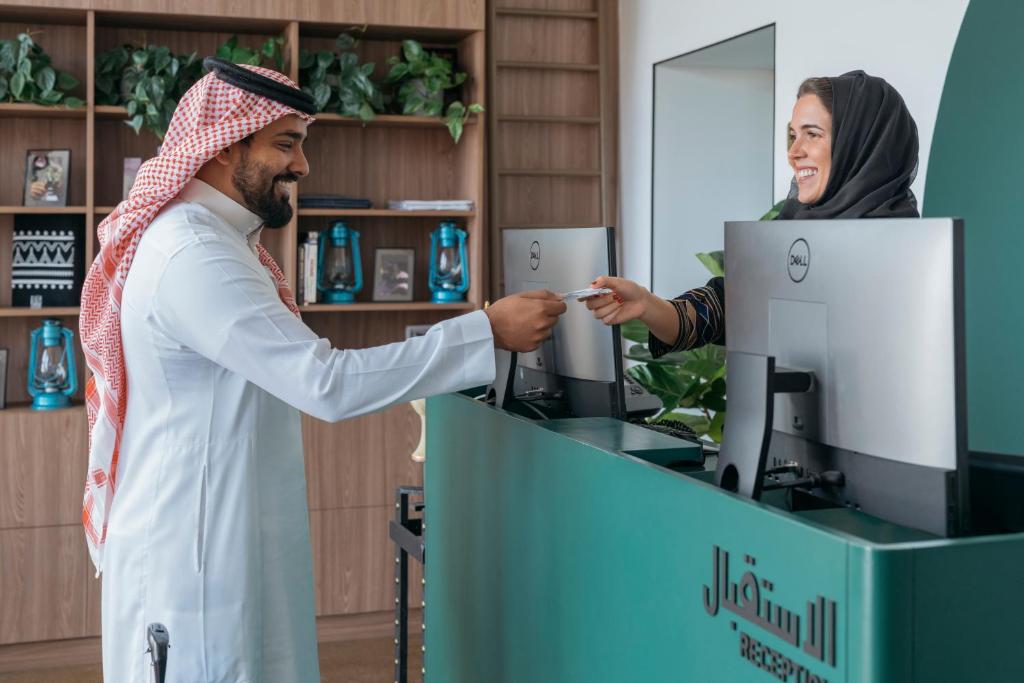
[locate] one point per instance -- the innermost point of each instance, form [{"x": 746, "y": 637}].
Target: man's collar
[{"x": 231, "y": 212}]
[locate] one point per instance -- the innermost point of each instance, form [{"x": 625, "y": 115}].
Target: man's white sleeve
[{"x": 224, "y": 306}]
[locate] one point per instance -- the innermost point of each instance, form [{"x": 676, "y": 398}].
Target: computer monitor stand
[
  {"x": 502, "y": 392},
  {"x": 753, "y": 382}
]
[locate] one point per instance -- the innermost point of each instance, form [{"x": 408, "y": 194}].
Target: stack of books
[
  {"x": 333, "y": 201},
  {"x": 306, "y": 279}
]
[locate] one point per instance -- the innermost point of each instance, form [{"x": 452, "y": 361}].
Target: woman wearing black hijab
[{"x": 853, "y": 149}]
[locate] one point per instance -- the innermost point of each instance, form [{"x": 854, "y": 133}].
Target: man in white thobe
[{"x": 208, "y": 532}]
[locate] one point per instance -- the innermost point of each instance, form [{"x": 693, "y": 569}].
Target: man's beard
[{"x": 251, "y": 181}]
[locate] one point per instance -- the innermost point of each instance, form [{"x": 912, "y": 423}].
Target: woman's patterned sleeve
[{"x": 701, "y": 319}]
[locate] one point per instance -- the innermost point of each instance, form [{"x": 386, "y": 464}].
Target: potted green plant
[
  {"x": 149, "y": 80},
  {"x": 26, "y": 75},
  {"x": 337, "y": 81},
  {"x": 418, "y": 80},
  {"x": 690, "y": 384}
]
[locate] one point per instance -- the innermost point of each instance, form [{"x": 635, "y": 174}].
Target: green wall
[{"x": 976, "y": 172}]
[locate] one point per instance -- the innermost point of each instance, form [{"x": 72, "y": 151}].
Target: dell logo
[
  {"x": 799, "y": 260},
  {"x": 535, "y": 255}
]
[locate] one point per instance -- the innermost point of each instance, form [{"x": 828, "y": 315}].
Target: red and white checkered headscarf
[{"x": 211, "y": 116}]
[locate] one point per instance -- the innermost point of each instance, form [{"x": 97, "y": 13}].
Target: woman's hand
[{"x": 628, "y": 300}]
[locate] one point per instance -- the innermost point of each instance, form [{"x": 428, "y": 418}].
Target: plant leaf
[
  {"x": 73, "y": 102},
  {"x": 46, "y": 78},
  {"x": 139, "y": 58},
  {"x": 345, "y": 41},
  {"x": 17, "y": 84},
  {"x": 714, "y": 261},
  {"x": 66, "y": 81}
]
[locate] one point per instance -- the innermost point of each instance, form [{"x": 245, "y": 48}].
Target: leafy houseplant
[
  {"x": 419, "y": 79},
  {"x": 687, "y": 379},
  {"x": 150, "y": 80},
  {"x": 27, "y": 76},
  {"x": 693, "y": 379},
  {"x": 339, "y": 83}
]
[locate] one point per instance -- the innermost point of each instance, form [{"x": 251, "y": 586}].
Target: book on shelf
[
  {"x": 309, "y": 263},
  {"x": 430, "y": 205}
]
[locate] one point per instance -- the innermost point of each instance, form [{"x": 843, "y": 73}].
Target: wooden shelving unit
[
  {"x": 551, "y": 71},
  {"x": 352, "y": 467}
]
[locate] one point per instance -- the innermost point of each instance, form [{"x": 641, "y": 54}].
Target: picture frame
[
  {"x": 47, "y": 174},
  {"x": 3, "y": 378},
  {"x": 393, "y": 271},
  {"x": 416, "y": 330}
]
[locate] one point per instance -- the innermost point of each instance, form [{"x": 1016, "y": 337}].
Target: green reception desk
[{"x": 553, "y": 555}]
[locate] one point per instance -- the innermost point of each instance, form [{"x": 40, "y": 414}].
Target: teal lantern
[
  {"x": 339, "y": 267},
  {"x": 52, "y": 378},
  {"x": 449, "y": 278}
]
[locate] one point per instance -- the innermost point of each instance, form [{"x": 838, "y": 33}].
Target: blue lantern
[
  {"x": 52, "y": 378},
  {"x": 339, "y": 267},
  {"x": 449, "y": 278}
]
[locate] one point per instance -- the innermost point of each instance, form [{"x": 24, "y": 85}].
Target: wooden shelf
[
  {"x": 50, "y": 312},
  {"x": 551, "y": 172},
  {"x": 24, "y": 408},
  {"x": 38, "y": 111},
  {"x": 592, "y": 120},
  {"x": 548, "y": 66},
  {"x": 544, "y": 13},
  {"x": 109, "y": 111},
  {"x": 42, "y": 209},
  {"x": 383, "y": 306},
  {"x": 387, "y": 120},
  {"x": 385, "y": 213}
]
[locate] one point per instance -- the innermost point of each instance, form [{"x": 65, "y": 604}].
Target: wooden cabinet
[{"x": 47, "y": 585}]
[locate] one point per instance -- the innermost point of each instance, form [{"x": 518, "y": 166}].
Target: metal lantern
[
  {"x": 449, "y": 278},
  {"x": 339, "y": 267},
  {"x": 52, "y": 377}
]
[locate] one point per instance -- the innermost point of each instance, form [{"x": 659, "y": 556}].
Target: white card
[{"x": 586, "y": 293}]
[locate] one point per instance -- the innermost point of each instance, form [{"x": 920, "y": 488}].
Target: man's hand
[{"x": 520, "y": 322}]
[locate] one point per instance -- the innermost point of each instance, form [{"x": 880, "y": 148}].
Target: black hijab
[{"x": 874, "y": 154}]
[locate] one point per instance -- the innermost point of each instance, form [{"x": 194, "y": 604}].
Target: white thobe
[{"x": 209, "y": 529}]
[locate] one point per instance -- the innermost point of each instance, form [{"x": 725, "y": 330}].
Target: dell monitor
[
  {"x": 578, "y": 371},
  {"x": 846, "y": 364}
]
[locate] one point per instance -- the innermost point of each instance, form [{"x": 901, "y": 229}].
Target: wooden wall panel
[
  {"x": 525, "y": 92},
  {"x": 43, "y": 574},
  {"x": 353, "y": 571},
  {"x": 547, "y": 39},
  {"x": 115, "y": 141},
  {"x": 550, "y": 201},
  {"x": 380, "y": 163},
  {"x": 43, "y": 459},
  {"x": 340, "y": 476},
  {"x": 560, "y": 146},
  {"x": 552, "y": 67}
]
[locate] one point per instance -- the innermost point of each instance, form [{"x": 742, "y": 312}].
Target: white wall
[
  {"x": 712, "y": 163},
  {"x": 908, "y": 42}
]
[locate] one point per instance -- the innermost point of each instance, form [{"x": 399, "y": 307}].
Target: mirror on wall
[{"x": 714, "y": 112}]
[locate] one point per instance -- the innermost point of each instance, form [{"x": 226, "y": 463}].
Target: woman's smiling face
[{"x": 810, "y": 147}]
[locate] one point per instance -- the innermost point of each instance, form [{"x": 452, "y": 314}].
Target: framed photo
[
  {"x": 47, "y": 172},
  {"x": 416, "y": 330},
  {"x": 392, "y": 274},
  {"x": 3, "y": 378}
]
